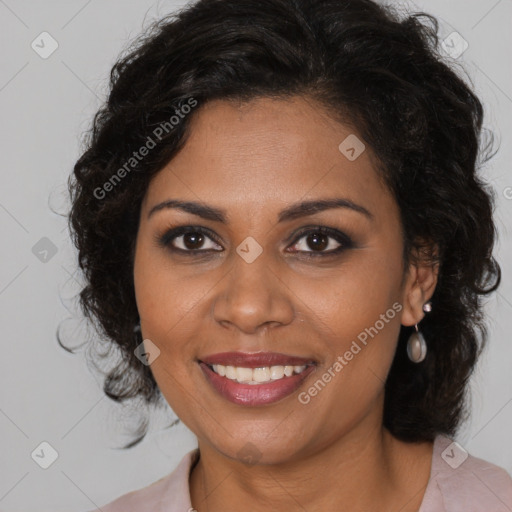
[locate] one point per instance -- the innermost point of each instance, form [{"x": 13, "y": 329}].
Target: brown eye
[
  {"x": 322, "y": 241},
  {"x": 188, "y": 239},
  {"x": 193, "y": 240},
  {"x": 317, "y": 241}
]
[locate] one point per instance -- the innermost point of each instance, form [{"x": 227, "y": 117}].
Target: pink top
[{"x": 458, "y": 483}]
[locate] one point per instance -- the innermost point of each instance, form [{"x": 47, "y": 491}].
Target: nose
[{"x": 253, "y": 297}]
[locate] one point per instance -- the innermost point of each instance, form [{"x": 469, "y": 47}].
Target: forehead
[{"x": 266, "y": 153}]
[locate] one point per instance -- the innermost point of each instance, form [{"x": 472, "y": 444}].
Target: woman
[{"x": 282, "y": 229}]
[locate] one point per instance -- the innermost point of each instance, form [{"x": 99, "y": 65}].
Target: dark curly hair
[{"x": 370, "y": 67}]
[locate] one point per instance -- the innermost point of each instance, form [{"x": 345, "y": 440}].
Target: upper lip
[{"x": 255, "y": 359}]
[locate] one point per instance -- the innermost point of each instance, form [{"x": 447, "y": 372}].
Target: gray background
[{"x": 50, "y": 395}]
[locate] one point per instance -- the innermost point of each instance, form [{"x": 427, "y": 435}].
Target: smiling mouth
[{"x": 256, "y": 386}]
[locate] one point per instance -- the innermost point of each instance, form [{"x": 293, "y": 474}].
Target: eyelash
[{"x": 165, "y": 240}]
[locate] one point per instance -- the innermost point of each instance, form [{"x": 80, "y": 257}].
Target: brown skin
[{"x": 253, "y": 160}]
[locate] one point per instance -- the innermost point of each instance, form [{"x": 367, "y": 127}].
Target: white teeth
[
  {"x": 243, "y": 374},
  {"x": 288, "y": 370},
  {"x": 256, "y": 375},
  {"x": 230, "y": 372},
  {"x": 221, "y": 370},
  {"x": 276, "y": 372},
  {"x": 261, "y": 374}
]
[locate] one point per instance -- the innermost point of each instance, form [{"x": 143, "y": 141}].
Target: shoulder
[
  {"x": 170, "y": 492},
  {"x": 462, "y": 482}
]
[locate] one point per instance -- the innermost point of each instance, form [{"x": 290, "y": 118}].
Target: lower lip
[{"x": 254, "y": 394}]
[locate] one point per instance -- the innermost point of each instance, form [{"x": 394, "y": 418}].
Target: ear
[{"x": 420, "y": 284}]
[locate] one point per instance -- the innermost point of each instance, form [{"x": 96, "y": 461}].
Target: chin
[{"x": 256, "y": 449}]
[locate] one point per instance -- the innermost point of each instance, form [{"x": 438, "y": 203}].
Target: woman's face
[{"x": 256, "y": 283}]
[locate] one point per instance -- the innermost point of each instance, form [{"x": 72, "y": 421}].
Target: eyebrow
[{"x": 290, "y": 213}]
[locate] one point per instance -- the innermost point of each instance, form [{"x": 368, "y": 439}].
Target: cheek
[
  {"x": 164, "y": 293},
  {"x": 353, "y": 296},
  {"x": 356, "y": 311},
  {"x": 164, "y": 306}
]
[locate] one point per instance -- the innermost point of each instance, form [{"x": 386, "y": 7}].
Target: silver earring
[
  {"x": 136, "y": 328},
  {"x": 416, "y": 344}
]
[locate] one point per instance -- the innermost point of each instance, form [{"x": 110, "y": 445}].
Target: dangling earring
[
  {"x": 416, "y": 344},
  {"x": 136, "y": 328}
]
